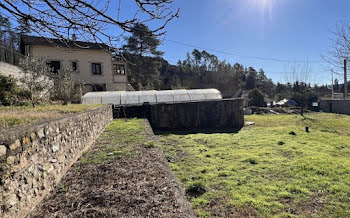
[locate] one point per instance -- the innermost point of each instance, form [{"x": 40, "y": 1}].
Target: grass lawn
[
  {"x": 126, "y": 134},
  {"x": 15, "y": 116},
  {"x": 271, "y": 169}
]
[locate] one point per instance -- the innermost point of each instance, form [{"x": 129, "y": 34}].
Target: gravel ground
[{"x": 123, "y": 175}]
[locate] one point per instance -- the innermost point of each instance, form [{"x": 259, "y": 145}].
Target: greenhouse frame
[{"x": 132, "y": 98}]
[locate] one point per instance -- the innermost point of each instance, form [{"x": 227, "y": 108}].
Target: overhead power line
[
  {"x": 265, "y": 71},
  {"x": 242, "y": 56}
]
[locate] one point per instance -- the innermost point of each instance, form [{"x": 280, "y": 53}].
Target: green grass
[
  {"x": 70, "y": 108},
  {"x": 9, "y": 121},
  {"x": 21, "y": 115},
  {"x": 265, "y": 170},
  {"x": 119, "y": 140}
]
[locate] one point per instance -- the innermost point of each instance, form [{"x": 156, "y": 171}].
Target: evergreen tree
[
  {"x": 142, "y": 42},
  {"x": 5, "y": 31},
  {"x": 9, "y": 36},
  {"x": 251, "y": 78},
  {"x": 336, "y": 87},
  {"x": 256, "y": 98},
  {"x": 140, "y": 50}
]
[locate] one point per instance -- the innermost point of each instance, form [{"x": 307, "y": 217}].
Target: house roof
[{"x": 35, "y": 40}]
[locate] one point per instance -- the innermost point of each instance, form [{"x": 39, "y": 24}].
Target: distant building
[
  {"x": 94, "y": 65},
  {"x": 339, "y": 106},
  {"x": 286, "y": 103}
]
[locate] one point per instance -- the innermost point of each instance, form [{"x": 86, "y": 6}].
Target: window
[
  {"x": 99, "y": 87},
  {"x": 119, "y": 69},
  {"x": 74, "y": 66},
  {"x": 54, "y": 66},
  {"x": 96, "y": 69}
]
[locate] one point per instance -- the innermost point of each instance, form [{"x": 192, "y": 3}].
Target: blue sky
[
  {"x": 295, "y": 30},
  {"x": 282, "y": 29}
]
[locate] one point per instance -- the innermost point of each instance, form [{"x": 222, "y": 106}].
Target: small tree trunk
[
  {"x": 31, "y": 97},
  {"x": 302, "y": 111}
]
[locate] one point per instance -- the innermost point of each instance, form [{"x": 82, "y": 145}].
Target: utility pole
[
  {"x": 345, "y": 81},
  {"x": 332, "y": 85}
]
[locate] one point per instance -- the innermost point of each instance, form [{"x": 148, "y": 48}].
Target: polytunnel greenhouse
[{"x": 153, "y": 97}]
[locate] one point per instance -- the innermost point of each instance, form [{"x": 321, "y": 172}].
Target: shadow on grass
[{"x": 193, "y": 131}]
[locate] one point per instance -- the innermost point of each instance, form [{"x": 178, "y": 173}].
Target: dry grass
[{"x": 17, "y": 116}]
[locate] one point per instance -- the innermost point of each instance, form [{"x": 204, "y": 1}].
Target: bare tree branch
[
  {"x": 340, "y": 48},
  {"x": 89, "y": 20},
  {"x": 298, "y": 73}
]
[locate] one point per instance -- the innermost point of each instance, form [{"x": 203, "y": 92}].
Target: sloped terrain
[
  {"x": 14, "y": 116},
  {"x": 271, "y": 169},
  {"x": 123, "y": 175}
]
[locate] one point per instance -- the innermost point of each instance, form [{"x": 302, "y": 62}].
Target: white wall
[
  {"x": 10, "y": 70},
  {"x": 84, "y": 58},
  {"x": 16, "y": 72}
]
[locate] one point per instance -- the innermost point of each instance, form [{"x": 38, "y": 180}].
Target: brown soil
[{"x": 138, "y": 185}]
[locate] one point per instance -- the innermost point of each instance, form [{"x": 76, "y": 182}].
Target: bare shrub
[
  {"x": 65, "y": 88},
  {"x": 35, "y": 78}
]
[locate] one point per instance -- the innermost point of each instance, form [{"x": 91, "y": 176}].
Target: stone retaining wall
[{"x": 33, "y": 159}]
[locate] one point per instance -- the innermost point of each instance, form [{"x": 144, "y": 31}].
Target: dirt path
[{"x": 123, "y": 175}]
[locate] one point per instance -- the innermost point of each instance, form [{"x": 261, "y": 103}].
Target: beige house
[{"x": 94, "y": 66}]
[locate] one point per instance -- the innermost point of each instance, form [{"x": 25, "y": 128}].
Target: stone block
[
  {"x": 10, "y": 160},
  {"x": 25, "y": 140},
  {"x": 34, "y": 158},
  {"x": 33, "y": 136},
  {"x": 41, "y": 133},
  {"x": 47, "y": 131},
  {"x": 55, "y": 148},
  {"x": 59, "y": 138},
  {"x": 2, "y": 151},
  {"x": 12, "y": 201},
  {"x": 22, "y": 164},
  {"x": 61, "y": 158},
  {"x": 50, "y": 169},
  {"x": 15, "y": 145}
]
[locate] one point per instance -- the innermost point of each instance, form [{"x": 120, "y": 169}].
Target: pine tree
[
  {"x": 336, "y": 85},
  {"x": 141, "y": 51},
  {"x": 5, "y": 31},
  {"x": 142, "y": 41}
]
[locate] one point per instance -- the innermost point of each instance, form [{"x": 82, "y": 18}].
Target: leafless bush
[
  {"x": 35, "y": 77},
  {"x": 65, "y": 88},
  {"x": 298, "y": 73},
  {"x": 340, "y": 48}
]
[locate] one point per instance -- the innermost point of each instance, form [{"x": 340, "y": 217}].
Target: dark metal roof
[{"x": 35, "y": 40}]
